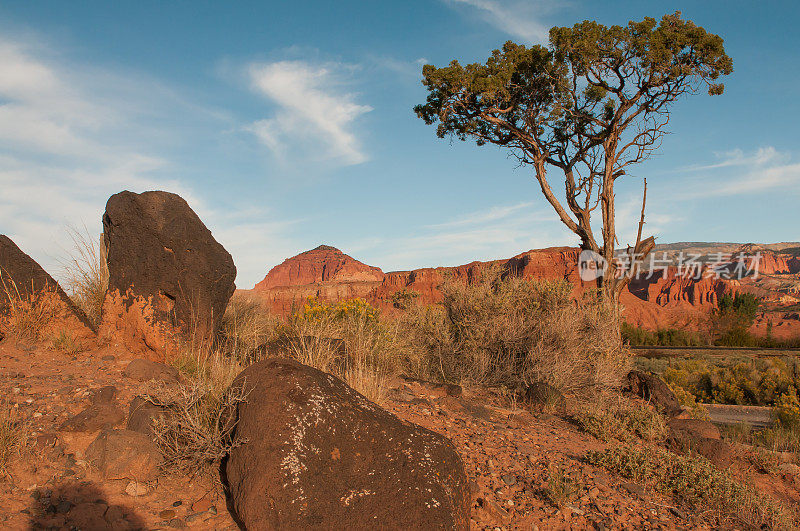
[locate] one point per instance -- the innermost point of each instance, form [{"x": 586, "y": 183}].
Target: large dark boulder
[
  {"x": 315, "y": 454},
  {"x": 166, "y": 271},
  {"x": 23, "y": 278},
  {"x": 653, "y": 389}
]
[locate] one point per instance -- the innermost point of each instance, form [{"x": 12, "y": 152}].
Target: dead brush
[
  {"x": 348, "y": 340},
  {"x": 85, "y": 274},
  {"x": 195, "y": 431},
  {"x": 503, "y": 330},
  {"x": 247, "y": 326},
  {"x": 14, "y": 436},
  {"x": 614, "y": 417},
  {"x": 26, "y": 316}
]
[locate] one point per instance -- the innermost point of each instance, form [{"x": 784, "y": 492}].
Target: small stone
[
  {"x": 63, "y": 507},
  {"x": 135, "y": 488},
  {"x": 201, "y": 505},
  {"x": 594, "y": 492},
  {"x": 177, "y": 503},
  {"x": 177, "y": 523},
  {"x": 212, "y": 509},
  {"x": 167, "y": 514},
  {"x": 509, "y": 479},
  {"x": 109, "y": 357}
]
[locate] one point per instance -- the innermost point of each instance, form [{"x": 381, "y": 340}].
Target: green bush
[{"x": 695, "y": 481}]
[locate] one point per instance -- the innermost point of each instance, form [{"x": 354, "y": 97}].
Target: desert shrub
[
  {"x": 729, "y": 380},
  {"x": 621, "y": 419},
  {"x": 695, "y": 481},
  {"x": 65, "y": 342},
  {"x": 85, "y": 274},
  {"x": 666, "y": 337},
  {"x": 787, "y": 410},
  {"x": 687, "y": 399},
  {"x": 195, "y": 433},
  {"x": 561, "y": 488},
  {"x": 348, "y": 340},
  {"x": 246, "y": 327},
  {"x": 26, "y": 317},
  {"x": 14, "y": 434},
  {"x": 512, "y": 331}
]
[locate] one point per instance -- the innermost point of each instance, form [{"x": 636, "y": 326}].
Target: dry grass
[
  {"x": 26, "y": 317},
  {"x": 85, "y": 274},
  {"x": 695, "y": 481},
  {"x": 561, "y": 488},
  {"x": 64, "y": 342},
  {"x": 512, "y": 332},
  {"x": 195, "y": 433},
  {"x": 348, "y": 340},
  {"x": 14, "y": 435},
  {"x": 247, "y": 327},
  {"x": 614, "y": 417}
]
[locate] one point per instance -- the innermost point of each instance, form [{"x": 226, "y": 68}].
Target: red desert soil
[{"x": 508, "y": 454}]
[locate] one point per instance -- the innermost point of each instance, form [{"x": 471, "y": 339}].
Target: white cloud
[
  {"x": 71, "y": 135},
  {"x": 737, "y": 157},
  {"x": 495, "y": 213},
  {"x": 764, "y": 170},
  {"x": 496, "y": 232},
  {"x": 518, "y": 18},
  {"x": 314, "y": 113}
]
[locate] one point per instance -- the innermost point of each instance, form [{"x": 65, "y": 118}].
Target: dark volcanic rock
[
  {"x": 166, "y": 270},
  {"x": 142, "y": 415},
  {"x": 541, "y": 396},
  {"x": 124, "y": 454},
  {"x": 653, "y": 389},
  {"x": 317, "y": 454},
  {"x": 20, "y": 273}
]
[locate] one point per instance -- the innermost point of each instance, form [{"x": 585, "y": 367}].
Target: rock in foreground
[
  {"x": 316, "y": 454},
  {"x": 23, "y": 278},
  {"x": 166, "y": 271}
]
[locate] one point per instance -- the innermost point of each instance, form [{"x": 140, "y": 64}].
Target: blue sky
[{"x": 289, "y": 124}]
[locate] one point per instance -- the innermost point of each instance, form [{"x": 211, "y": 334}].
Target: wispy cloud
[
  {"x": 313, "y": 111},
  {"x": 518, "y": 18},
  {"x": 495, "y": 232},
  {"x": 73, "y": 134},
  {"x": 765, "y": 170},
  {"x": 495, "y": 213}
]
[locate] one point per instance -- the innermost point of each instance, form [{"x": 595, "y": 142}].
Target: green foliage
[
  {"x": 742, "y": 304},
  {"x": 622, "y": 420},
  {"x": 694, "y": 480},
  {"x": 756, "y": 382},
  {"x": 733, "y": 318},
  {"x": 667, "y": 337},
  {"x": 621, "y": 71}
]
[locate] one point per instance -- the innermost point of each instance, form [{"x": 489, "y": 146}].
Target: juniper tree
[{"x": 588, "y": 106}]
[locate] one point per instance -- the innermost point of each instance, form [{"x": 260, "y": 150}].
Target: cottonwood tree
[{"x": 587, "y": 107}]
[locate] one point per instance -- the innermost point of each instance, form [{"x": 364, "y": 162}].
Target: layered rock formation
[{"x": 663, "y": 298}]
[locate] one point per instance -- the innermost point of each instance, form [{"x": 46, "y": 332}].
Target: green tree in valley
[{"x": 592, "y": 103}]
